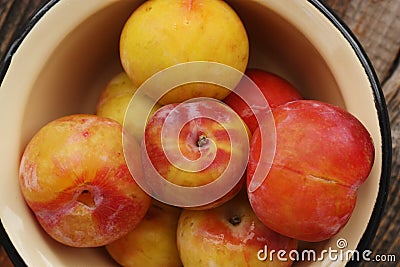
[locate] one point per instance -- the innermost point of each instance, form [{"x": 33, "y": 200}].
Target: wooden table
[{"x": 376, "y": 23}]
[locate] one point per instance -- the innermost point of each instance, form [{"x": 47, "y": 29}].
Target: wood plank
[
  {"x": 14, "y": 15},
  {"x": 4, "y": 260},
  {"x": 387, "y": 240},
  {"x": 377, "y": 26}
]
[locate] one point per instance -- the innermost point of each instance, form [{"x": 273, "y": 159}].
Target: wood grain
[
  {"x": 14, "y": 15},
  {"x": 4, "y": 260},
  {"x": 376, "y": 24}
]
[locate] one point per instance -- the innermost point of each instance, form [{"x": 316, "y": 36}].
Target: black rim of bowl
[{"x": 380, "y": 106}]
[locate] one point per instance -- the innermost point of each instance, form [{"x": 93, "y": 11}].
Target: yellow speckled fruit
[
  {"x": 74, "y": 177},
  {"x": 115, "y": 98},
  {"x": 162, "y": 33},
  {"x": 230, "y": 235},
  {"x": 152, "y": 243}
]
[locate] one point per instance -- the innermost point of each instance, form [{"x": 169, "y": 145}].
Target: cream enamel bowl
[{"x": 70, "y": 51}]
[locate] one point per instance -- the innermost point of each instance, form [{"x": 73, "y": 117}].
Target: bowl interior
[{"x": 72, "y": 52}]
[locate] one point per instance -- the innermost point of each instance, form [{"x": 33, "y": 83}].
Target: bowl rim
[
  {"x": 384, "y": 125},
  {"x": 380, "y": 105}
]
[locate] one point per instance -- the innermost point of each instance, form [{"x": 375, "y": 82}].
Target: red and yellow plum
[
  {"x": 74, "y": 177},
  {"x": 323, "y": 155}
]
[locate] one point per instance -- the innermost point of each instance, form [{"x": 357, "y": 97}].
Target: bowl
[{"x": 69, "y": 52}]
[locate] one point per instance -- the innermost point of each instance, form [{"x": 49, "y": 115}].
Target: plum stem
[
  {"x": 202, "y": 140},
  {"x": 86, "y": 198},
  {"x": 235, "y": 220}
]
